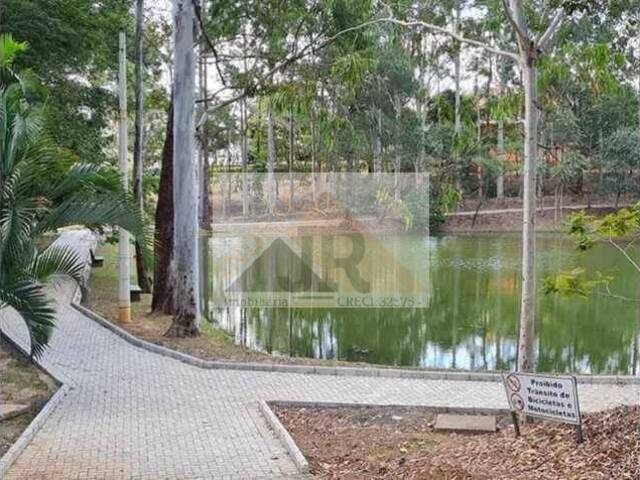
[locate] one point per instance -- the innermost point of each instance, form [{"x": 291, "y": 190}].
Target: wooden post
[{"x": 124, "y": 300}]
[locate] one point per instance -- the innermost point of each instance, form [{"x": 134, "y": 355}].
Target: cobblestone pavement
[{"x": 133, "y": 414}]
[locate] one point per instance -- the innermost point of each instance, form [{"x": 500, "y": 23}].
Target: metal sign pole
[
  {"x": 579, "y": 435},
  {"x": 516, "y": 424}
]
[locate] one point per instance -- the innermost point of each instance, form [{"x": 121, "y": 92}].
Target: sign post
[{"x": 551, "y": 397}]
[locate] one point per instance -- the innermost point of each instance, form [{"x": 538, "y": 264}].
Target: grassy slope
[{"x": 213, "y": 344}]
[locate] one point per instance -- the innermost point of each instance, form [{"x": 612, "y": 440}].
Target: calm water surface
[{"x": 470, "y": 321}]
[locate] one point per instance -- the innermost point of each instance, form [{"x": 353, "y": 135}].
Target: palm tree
[{"x": 39, "y": 193}]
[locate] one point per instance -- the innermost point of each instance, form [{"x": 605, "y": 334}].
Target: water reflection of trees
[{"x": 471, "y": 321}]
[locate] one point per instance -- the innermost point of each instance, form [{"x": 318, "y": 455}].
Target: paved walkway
[
  {"x": 133, "y": 414},
  {"x": 503, "y": 211}
]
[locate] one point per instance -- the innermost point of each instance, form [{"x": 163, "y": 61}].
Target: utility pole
[{"x": 124, "y": 266}]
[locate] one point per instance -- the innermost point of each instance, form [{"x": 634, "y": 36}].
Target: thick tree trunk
[
  {"x": 526, "y": 347},
  {"x": 144, "y": 279},
  {"x": 185, "y": 178},
  {"x": 163, "y": 287}
]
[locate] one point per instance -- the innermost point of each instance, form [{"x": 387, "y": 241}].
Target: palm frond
[
  {"x": 32, "y": 303},
  {"x": 57, "y": 260},
  {"x": 92, "y": 210}
]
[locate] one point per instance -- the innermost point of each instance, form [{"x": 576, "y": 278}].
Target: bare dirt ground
[
  {"x": 400, "y": 443},
  {"x": 473, "y": 215},
  {"x": 22, "y": 386}
]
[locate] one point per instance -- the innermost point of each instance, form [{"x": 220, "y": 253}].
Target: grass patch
[{"x": 213, "y": 344}]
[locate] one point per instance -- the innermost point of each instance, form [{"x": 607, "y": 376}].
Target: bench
[
  {"x": 134, "y": 293},
  {"x": 96, "y": 261}
]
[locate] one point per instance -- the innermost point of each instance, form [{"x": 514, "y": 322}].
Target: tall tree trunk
[
  {"x": 377, "y": 143},
  {"x": 244, "y": 143},
  {"x": 479, "y": 140},
  {"x": 162, "y": 299},
  {"x": 144, "y": 279},
  {"x": 501, "y": 152},
  {"x": 291, "y": 156},
  {"x": 526, "y": 347},
  {"x": 457, "y": 125},
  {"x": 501, "y": 158},
  {"x": 186, "y": 322},
  {"x": 639, "y": 90},
  {"x": 398, "y": 150},
  {"x": 271, "y": 161},
  {"x": 314, "y": 194},
  {"x": 421, "y": 160},
  {"x": 456, "y": 70},
  {"x": 244, "y": 147},
  {"x": 204, "y": 210}
]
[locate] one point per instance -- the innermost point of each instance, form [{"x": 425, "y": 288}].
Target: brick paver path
[{"x": 135, "y": 414}]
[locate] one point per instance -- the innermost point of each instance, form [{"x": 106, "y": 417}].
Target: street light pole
[{"x": 124, "y": 300}]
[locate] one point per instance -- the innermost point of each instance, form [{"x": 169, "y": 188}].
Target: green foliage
[
  {"x": 624, "y": 223},
  {"x": 387, "y": 201},
  {"x": 506, "y": 107},
  {"x": 73, "y": 47},
  {"x": 33, "y": 202},
  {"x": 580, "y": 230},
  {"x": 449, "y": 198},
  {"x": 9, "y": 50},
  {"x": 621, "y": 151},
  {"x": 419, "y": 205},
  {"x": 574, "y": 282},
  {"x": 586, "y": 231}
]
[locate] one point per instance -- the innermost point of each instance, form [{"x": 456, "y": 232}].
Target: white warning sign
[{"x": 546, "y": 396}]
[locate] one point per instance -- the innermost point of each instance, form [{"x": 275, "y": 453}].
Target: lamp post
[{"x": 124, "y": 265}]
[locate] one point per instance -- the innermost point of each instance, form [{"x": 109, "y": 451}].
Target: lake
[{"x": 470, "y": 316}]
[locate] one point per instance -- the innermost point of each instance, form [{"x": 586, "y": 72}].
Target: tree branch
[
  {"x": 455, "y": 36},
  {"x": 198, "y": 12},
  {"x": 523, "y": 37},
  {"x": 625, "y": 253},
  {"x": 552, "y": 29},
  {"x": 312, "y": 47}
]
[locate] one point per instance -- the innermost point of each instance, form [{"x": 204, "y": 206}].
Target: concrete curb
[
  {"x": 65, "y": 385},
  {"x": 294, "y": 452},
  {"x": 30, "y": 432},
  {"x": 338, "y": 371},
  {"x": 432, "y": 408}
]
